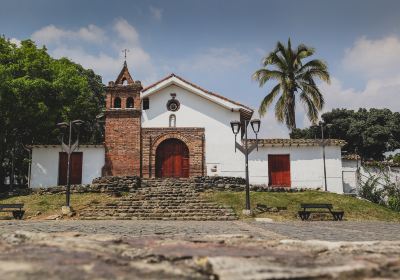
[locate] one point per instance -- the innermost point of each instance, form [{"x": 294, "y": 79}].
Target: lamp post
[
  {"x": 246, "y": 150},
  {"x": 322, "y": 124},
  {"x": 69, "y": 149}
]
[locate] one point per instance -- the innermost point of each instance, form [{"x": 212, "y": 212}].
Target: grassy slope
[
  {"x": 355, "y": 209},
  {"x": 51, "y": 204}
]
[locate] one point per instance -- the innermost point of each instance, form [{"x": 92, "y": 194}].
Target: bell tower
[{"x": 123, "y": 126}]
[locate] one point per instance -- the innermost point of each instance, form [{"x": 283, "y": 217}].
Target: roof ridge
[{"x": 198, "y": 87}]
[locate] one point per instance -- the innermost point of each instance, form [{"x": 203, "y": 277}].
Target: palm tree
[{"x": 295, "y": 79}]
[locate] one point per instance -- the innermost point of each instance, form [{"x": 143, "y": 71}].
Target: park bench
[
  {"x": 305, "y": 213},
  {"x": 16, "y": 209}
]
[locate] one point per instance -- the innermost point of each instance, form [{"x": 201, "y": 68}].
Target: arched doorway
[{"x": 172, "y": 159}]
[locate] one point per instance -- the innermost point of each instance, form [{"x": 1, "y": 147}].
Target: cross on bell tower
[
  {"x": 124, "y": 76},
  {"x": 125, "y": 51}
]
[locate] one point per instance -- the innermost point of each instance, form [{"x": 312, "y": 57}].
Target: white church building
[{"x": 174, "y": 128}]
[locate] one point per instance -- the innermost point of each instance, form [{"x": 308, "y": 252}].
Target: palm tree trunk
[{"x": 291, "y": 114}]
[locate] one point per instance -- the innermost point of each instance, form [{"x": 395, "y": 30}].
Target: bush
[
  {"x": 381, "y": 190},
  {"x": 394, "y": 203},
  {"x": 371, "y": 191}
]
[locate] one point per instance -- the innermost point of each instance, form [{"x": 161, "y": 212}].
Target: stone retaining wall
[
  {"x": 117, "y": 184},
  {"x": 120, "y": 183},
  {"x": 107, "y": 184}
]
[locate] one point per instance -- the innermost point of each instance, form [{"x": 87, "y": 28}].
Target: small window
[
  {"x": 117, "y": 102},
  {"x": 146, "y": 104},
  {"x": 172, "y": 120},
  {"x": 125, "y": 82},
  {"x": 129, "y": 102}
]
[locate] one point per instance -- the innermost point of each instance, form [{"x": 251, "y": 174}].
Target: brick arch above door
[{"x": 194, "y": 139}]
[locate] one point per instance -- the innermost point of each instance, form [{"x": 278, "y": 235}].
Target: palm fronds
[{"x": 285, "y": 65}]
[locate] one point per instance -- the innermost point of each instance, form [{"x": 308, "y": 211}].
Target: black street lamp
[
  {"x": 246, "y": 150},
  {"x": 322, "y": 125},
  {"x": 69, "y": 149}
]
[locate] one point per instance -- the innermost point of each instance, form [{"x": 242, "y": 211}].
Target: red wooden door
[
  {"x": 279, "y": 170},
  {"x": 76, "y": 168},
  {"x": 172, "y": 159}
]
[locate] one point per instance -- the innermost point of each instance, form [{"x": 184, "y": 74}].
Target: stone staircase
[{"x": 160, "y": 199}]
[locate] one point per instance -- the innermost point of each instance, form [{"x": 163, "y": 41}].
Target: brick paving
[
  {"x": 335, "y": 231},
  {"x": 329, "y": 231},
  {"x": 226, "y": 250}
]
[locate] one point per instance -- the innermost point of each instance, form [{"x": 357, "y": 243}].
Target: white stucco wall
[
  {"x": 196, "y": 111},
  {"x": 306, "y": 166},
  {"x": 349, "y": 175},
  {"x": 45, "y": 161},
  {"x": 350, "y": 182}
]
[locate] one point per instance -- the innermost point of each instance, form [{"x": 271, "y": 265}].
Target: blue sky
[{"x": 219, "y": 44}]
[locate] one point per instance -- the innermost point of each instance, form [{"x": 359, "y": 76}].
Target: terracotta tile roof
[
  {"x": 40, "y": 146},
  {"x": 198, "y": 87},
  {"x": 372, "y": 163},
  {"x": 351, "y": 157},
  {"x": 298, "y": 142}
]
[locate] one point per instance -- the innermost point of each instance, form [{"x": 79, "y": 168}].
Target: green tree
[
  {"x": 37, "y": 92},
  {"x": 370, "y": 133},
  {"x": 295, "y": 79},
  {"x": 395, "y": 158}
]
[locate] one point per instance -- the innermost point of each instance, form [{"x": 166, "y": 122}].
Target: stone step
[
  {"x": 160, "y": 200},
  {"x": 148, "y": 215},
  {"x": 149, "y": 210},
  {"x": 192, "y": 218},
  {"x": 162, "y": 213}
]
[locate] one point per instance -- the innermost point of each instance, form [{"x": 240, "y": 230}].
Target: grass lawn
[
  {"x": 354, "y": 208},
  {"x": 51, "y": 204}
]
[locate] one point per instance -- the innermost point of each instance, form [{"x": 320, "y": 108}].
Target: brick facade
[
  {"x": 123, "y": 127},
  {"x": 192, "y": 137},
  {"x": 131, "y": 149}
]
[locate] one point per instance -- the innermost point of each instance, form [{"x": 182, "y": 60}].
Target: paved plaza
[
  {"x": 73, "y": 249},
  {"x": 328, "y": 231}
]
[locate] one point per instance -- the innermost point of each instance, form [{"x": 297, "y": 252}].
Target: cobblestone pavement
[
  {"x": 233, "y": 250},
  {"x": 328, "y": 231},
  {"x": 335, "y": 231},
  {"x": 135, "y": 228}
]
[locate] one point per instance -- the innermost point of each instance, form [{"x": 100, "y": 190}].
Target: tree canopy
[
  {"x": 296, "y": 79},
  {"x": 371, "y": 132},
  {"x": 36, "y": 93}
]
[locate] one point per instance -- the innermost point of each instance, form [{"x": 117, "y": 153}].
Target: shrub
[{"x": 380, "y": 189}]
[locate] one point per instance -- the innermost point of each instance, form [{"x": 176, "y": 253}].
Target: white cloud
[
  {"x": 92, "y": 33},
  {"x": 377, "y": 61},
  {"x": 215, "y": 60},
  {"x": 53, "y": 35},
  {"x": 270, "y": 127},
  {"x": 377, "y": 93},
  {"x": 156, "y": 13},
  {"x": 126, "y": 32},
  {"x": 102, "y": 63},
  {"x": 16, "y": 42},
  {"x": 373, "y": 58},
  {"x": 78, "y": 46}
]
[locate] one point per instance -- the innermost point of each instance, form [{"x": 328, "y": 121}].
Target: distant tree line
[
  {"x": 370, "y": 133},
  {"x": 37, "y": 92}
]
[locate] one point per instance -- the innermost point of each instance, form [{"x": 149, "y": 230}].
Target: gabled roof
[{"x": 175, "y": 79}]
